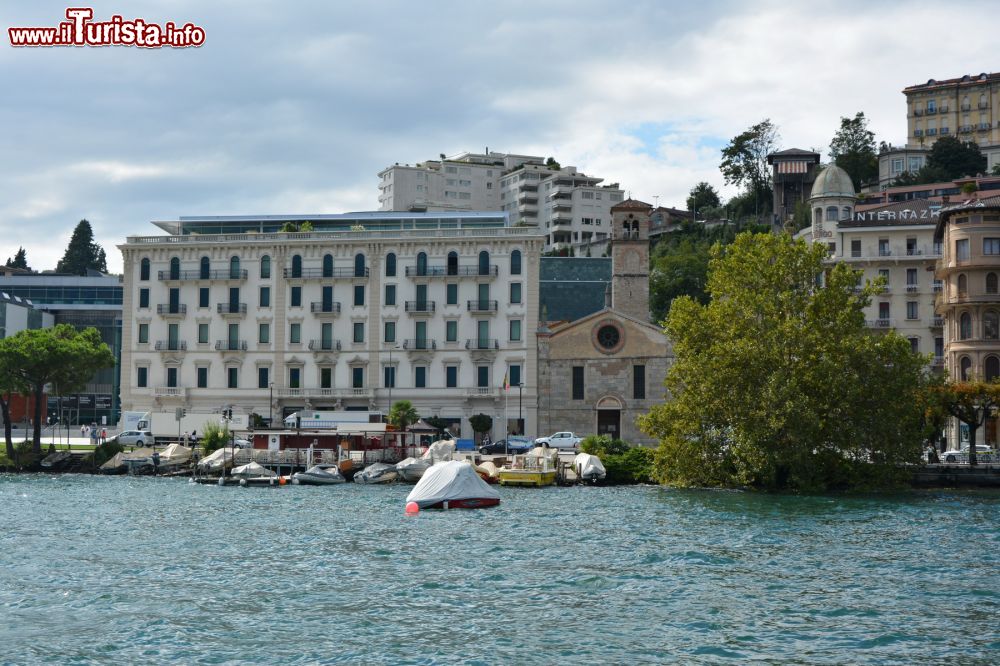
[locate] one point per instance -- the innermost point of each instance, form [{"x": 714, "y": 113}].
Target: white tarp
[
  {"x": 215, "y": 459},
  {"x": 252, "y": 470},
  {"x": 139, "y": 455},
  {"x": 489, "y": 469},
  {"x": 175, "y": 454},
  {"x": 439, "y": 451},
  {"x": 447, "y": 481},
  {"x": 376, "y": 473},
  {"x": 588, "y": 467},
  {"x": 545, "y": 452},
  {"x": 114, "y": 462}
]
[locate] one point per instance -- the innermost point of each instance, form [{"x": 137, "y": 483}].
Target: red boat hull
[{"x": 467, "y": 503}]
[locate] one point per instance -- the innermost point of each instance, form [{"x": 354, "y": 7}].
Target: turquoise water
[{"x": 143, "y": 570}]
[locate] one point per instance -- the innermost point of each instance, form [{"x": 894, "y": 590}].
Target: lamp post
[
  {"x": 270, "y": 405},
  {"x": 520, "y": 418}
]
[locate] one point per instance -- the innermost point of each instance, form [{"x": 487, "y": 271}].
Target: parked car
[
  {"x": 962, "y": 455},
  {"x": 560, "y": 440},
  {"x": 512, "y": 445},
  {"x": 135, "y": 438},
  {"x": 241, "y": 443}
]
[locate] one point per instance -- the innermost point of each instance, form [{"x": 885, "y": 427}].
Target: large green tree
[
  {"x": 680, "y": 270},
  {"x": 20, "y": 260},
  {"x": 853, "y": 150},
  {"x": 703, "y": 196},
  {"x": 62, "y": 357},
  {"x": 955, "y": 158},
  {"x": 403, "y": 413},
  {"x": 971, "y": 402},
  {"x": 744, "y": 163},
  {"x": 82, "y": 253},
  {"x": 778, "y": 384}
]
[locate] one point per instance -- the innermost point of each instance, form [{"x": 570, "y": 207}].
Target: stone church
[{"x": 598, "y": 373}]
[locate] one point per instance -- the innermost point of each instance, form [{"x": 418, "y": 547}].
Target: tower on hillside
[{"x": 630, "y": 258}]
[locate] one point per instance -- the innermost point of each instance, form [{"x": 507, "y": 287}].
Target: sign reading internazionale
[{"x": 905, "y": 215}]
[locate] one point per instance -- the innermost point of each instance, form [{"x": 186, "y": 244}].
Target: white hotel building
[{"x": 364, "y": 310}]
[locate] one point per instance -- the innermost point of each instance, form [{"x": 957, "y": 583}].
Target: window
[
  {"x": 832, "y": 214},
  {"x": 452, "y": 268},
  {"x": 992, "y": 368},
  {"x": 202, "y": 377},
  {"x": 203, "y": 294},
  {"x": 389, "y": 333},
  {"x": 357, "y": 377},
  {"x": 295, "y": 333},
  {"x": 175, "y": 268},
  {"x": 174, "y": 298},
  {"x": 991, "y": 325},
  {"x": 327, "y": 265},
  {"x": 963, "y": 284},
  {"x": 265, "y": 268},
  {"x": 483, "y": 376},
  {"x": 914, "y": 345},
  {"x": 515, "y": 292},
  {"x": 389, "y": 376},
  {"x": 451, "y": 331},
  {"x": 296, "y": 301},
  {"x": 390, "y": 294},
  {"x": 515, "y": 330},
  {"x": 897, "y": 165},
  {"x": 420, "y": 376},
  {"x": 991, "y": 283},
  {"x": 639, "y": 382},
  {"x": 965, "y": 365},
  {"x": 962, "y": 249},
  {"x": 911, "y": 277},
  {"x": 262, "y": 378},
  {"x": 938, "y": 347},
  {"x": 326, "y": 298},
  {"x": 452, "y": 294},
  {"x": 233, "y": 378},
  {"x": 141, "y": 377},
  {"x": 450, "y": 376},
  {"x": 421, "y": 263},
  {"x": 143, "y": 333},
  {"x": 296, "y": 266},
  {"x": 883, "y": 247},
  {"x": 883, "y": 312},
  {"x": 202, "y": 334},
  {"x": 326, "y": 335},
  {"x": 204, "y": 269},
  {"x": 855, "y": 248},
  {"x": 514, "y": 374},
  {"x": 264, "y": 333},
  {"x": 390, "y": 264},
  {"x": 991, "y": 246},
  {"x": 144, "y": 298},
  {"x": 265, "y": 297},
  {"x": 294, "y": 377},
  {"x": 172, "y": 377},
  {"x": 911, "y": 310},
  {"x": 965, "y": 326},
  {"x": 484, "y": 263},
  {"x": 326, "y": 378},
  {"x": 144, "y": 269},
  {"x": 359, "y": 294},
  {"x": 515, "y": 262},
  {"x": 359, "y": 265},
  {"x": 234, "y": 268},
  {"x": 578, "y": 382},
  {"x": 359, "y": 331}
]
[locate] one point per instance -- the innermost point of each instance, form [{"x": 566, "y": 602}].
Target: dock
[{"x": 957, "y": 475}]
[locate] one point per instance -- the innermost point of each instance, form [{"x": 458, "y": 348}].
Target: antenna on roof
[{"x": 656, "y": 201}]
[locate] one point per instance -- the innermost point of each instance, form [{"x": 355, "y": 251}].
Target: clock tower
[{"x": 630, "y": 258}]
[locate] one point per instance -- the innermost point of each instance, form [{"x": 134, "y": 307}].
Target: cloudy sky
[{"x": 293, "y": 107}]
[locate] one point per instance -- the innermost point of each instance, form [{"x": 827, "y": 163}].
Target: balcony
[
  {"x": 983, "y": 127},
  {"x": 918, "y": 112},
  {"x": 482, "y": 306},
  {"x": 937, "y": 322},
  {"x": 324, "y": 345},
  {"x": 319, "y": 273},
  {"x": 938, "y": 288},
  {"x": 937, "y": 362},
  {"x": 172, "y": 310},
  {"x": 931, "y": 111},
  {"x": 490, "y": 344},
  {"x": 912, "y": 288},
  {"x": 230, "y": 345},
  {"x": 171, "y": 345},
  {"x": 492, "y": 270},
  {"x": 562, "y": 206},
  {"x": 964, "y": 129},
  {"x": 918, "y": 132},
  {"x": 419, "y": 307},
  {"x": 880, "y": 323},
  {"x": 482, "y": 392},
  {"x": 966, "y": 107},
  {"x": 288, "y": 392},
  {"x": 931, "y": 131},
  {"x": 945, "y": 131},
  {"x": 419, "y": 344},
  {"x": 984, "y": 105},
  {"x": 169, "y": 392},
  {"x": 943, "y": 109},
  {"x": 214, "y": 274},
  {"x": 232, "y": 309},
  {"x": 330, "y": 308}
]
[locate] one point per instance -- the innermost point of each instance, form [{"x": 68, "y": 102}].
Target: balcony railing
[
  {"x": 287, "y": 392},
  {"x": 937, "y": 322},
  {"x": 482, "y": 392},
  {"x": 492, "y": 270},
  {"x": 880, "y": 323},
  {"x": 482, "y": 343},
  {"x": 231, "y": 345},
  {"x": 482, "y": 306},
  {"x": 212, "y": 274},
  {"x": 171, "y": 345},
  {"x": 232, "y": 308},
  {"x": 984, "y": 105},
  {"x": 177, "y": 309},
  {"x": 419, "y": 307},
  {"x": 169, "y": 391},
  {"x": 419, "y": 344},
  {"x": 918, "y": 112},
  {"x": 918, "y": 132},
  {"x": 313, "y": 273},
  {"x": 324, "y": 345},
  {"x": 320, "y": 307},
  {"x": 945, "y": 130},
  {"x": 983, "y": 126},
  {"x": 912, "y": 288}
]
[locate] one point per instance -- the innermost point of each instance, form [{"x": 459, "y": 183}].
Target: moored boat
[
  {"x": 376, "y": 473},
  {"x": 452, "y": 485},
  {"x": 412, "y": 469},
  {"x": 319, "y": 475},
  {"x": 589, "y": 468},
  {"x": 535, "y": 468},
  {"x": 487, "y": 471}
]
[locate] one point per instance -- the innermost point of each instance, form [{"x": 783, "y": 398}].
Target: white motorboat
[
  {"x": 453, "y": 485},
  {"x": 318, "y": 475},
  {"x": 376, "y": 473},
  {"x": 411, "y": 469},
  {"x": 253, "y": 470},
  {"x": 589, "y": 468}
]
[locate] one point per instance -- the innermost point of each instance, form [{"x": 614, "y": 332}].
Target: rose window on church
[{"x": 608, "y": 336}]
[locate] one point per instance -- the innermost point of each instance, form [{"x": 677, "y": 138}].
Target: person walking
[{"x": 104, "y": 435}]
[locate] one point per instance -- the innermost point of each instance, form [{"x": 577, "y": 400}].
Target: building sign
[{"x": 905, "y": 214}]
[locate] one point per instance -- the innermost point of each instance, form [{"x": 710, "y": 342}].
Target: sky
[{"x": 294, "y": 107}]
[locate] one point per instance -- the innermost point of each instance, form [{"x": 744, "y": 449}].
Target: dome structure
[{"x": 832, "y": 182}]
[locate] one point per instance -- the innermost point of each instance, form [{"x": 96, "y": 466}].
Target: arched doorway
[{"x": 609, "y": 417}]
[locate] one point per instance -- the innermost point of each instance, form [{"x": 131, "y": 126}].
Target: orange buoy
[
  {"x": 282, "y": 481},
  {"x": 412, "y": 508}
]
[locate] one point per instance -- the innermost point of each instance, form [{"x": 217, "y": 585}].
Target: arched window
[
  {"x": 515, "y": 262},
  {"x": 845, "y": 213},
  {"x": 234, "y": 267},
  {"x": 421, "y": 263},
  {"x": 484, "y": 263},
  {"x": 963, "y": 284},
  {"x": 965, "y": 326},
  {"x": 817, "y": 216},
  {"x": 982, "y": 101},
  {"x": 453, "y": 263},
  {"x": 144, "y": 269},
  {"x": 265, "y": 266},
  {"x": 327, "y": 265},
  {"x": 991, "y": 325},
  {"x": 175, "y": 269},
  {"x": 991, "y": 368},
  {"x": 831, "y": 214},
  {"x": 964, "y": 368},
  {"x": 296, "y": 266},
  {"x": 390, "y": 264},
  {"x": 359, "y": 265},
  {"x": 991, "y": 283},
  {"x": 204, "y": 269}
]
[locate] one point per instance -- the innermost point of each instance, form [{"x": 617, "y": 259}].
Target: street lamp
[
  {"x": 520, "y": 418},
  {"x": 270, "y": 405}
]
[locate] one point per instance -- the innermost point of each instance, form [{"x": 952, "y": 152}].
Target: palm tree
[{"x": 402, "y": 414}]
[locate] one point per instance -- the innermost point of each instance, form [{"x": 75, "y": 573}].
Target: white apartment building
[
  {"x": 363, "y": 310},
  {"x": 572, "y": 209}
]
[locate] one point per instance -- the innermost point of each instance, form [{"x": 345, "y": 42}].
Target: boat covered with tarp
[
  {"x": 175, "y": 454},
  {"x": 589, "y": 468},
  {"x": 411, "y": 469},
  {"x": 439, "y": 451},
  {"x": 452, "y": 485},
  {"x": 319, "y": 475},
  {"x": 252, "y": 470},
  {"x": 376, "y": 473},
  {"x": 114, "y": 465},
  {"x": 216, "y": 460}
]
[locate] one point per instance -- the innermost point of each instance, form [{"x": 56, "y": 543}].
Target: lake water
[{"x": 144, "y": 570}]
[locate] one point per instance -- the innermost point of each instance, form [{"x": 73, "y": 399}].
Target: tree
[
  {"x": 60, "y": 356},
  {"x": 970, "y": 402},
  {"x": 7, "y": 388},
  {"x": 552, "y": 164},
  {"x": 702, "y": 196},
  {"x": 778, "y": 384},
  {"x": 956, "y": 158},
  {"x": 853, "y": 150},
  {"x": 20, "y": 260},
  {"x": 82, "y": 253},
  {"x": 402, "y": 414},
  {"x": 678, "y": 271},
  {"x": 744, "y": 162},
  {"x": 480, "y": 423}
]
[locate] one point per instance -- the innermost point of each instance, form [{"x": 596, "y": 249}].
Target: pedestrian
[
  {"x": 83, "y": 431},
  {"x": 104, "y": 435},
  {"x": 93, "y": 436}
]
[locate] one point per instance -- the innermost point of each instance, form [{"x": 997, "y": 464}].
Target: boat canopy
[
  {"x": 216, "y": 459},
  {"x": 439, "y": 450},
  {"x": 449, "y": 481},
  {"x": 588, "y": 466}
]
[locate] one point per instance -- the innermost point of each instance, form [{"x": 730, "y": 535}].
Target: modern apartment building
[
  {"x": 363, "y": 310},
  {"x": 571, "y": 208}
]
